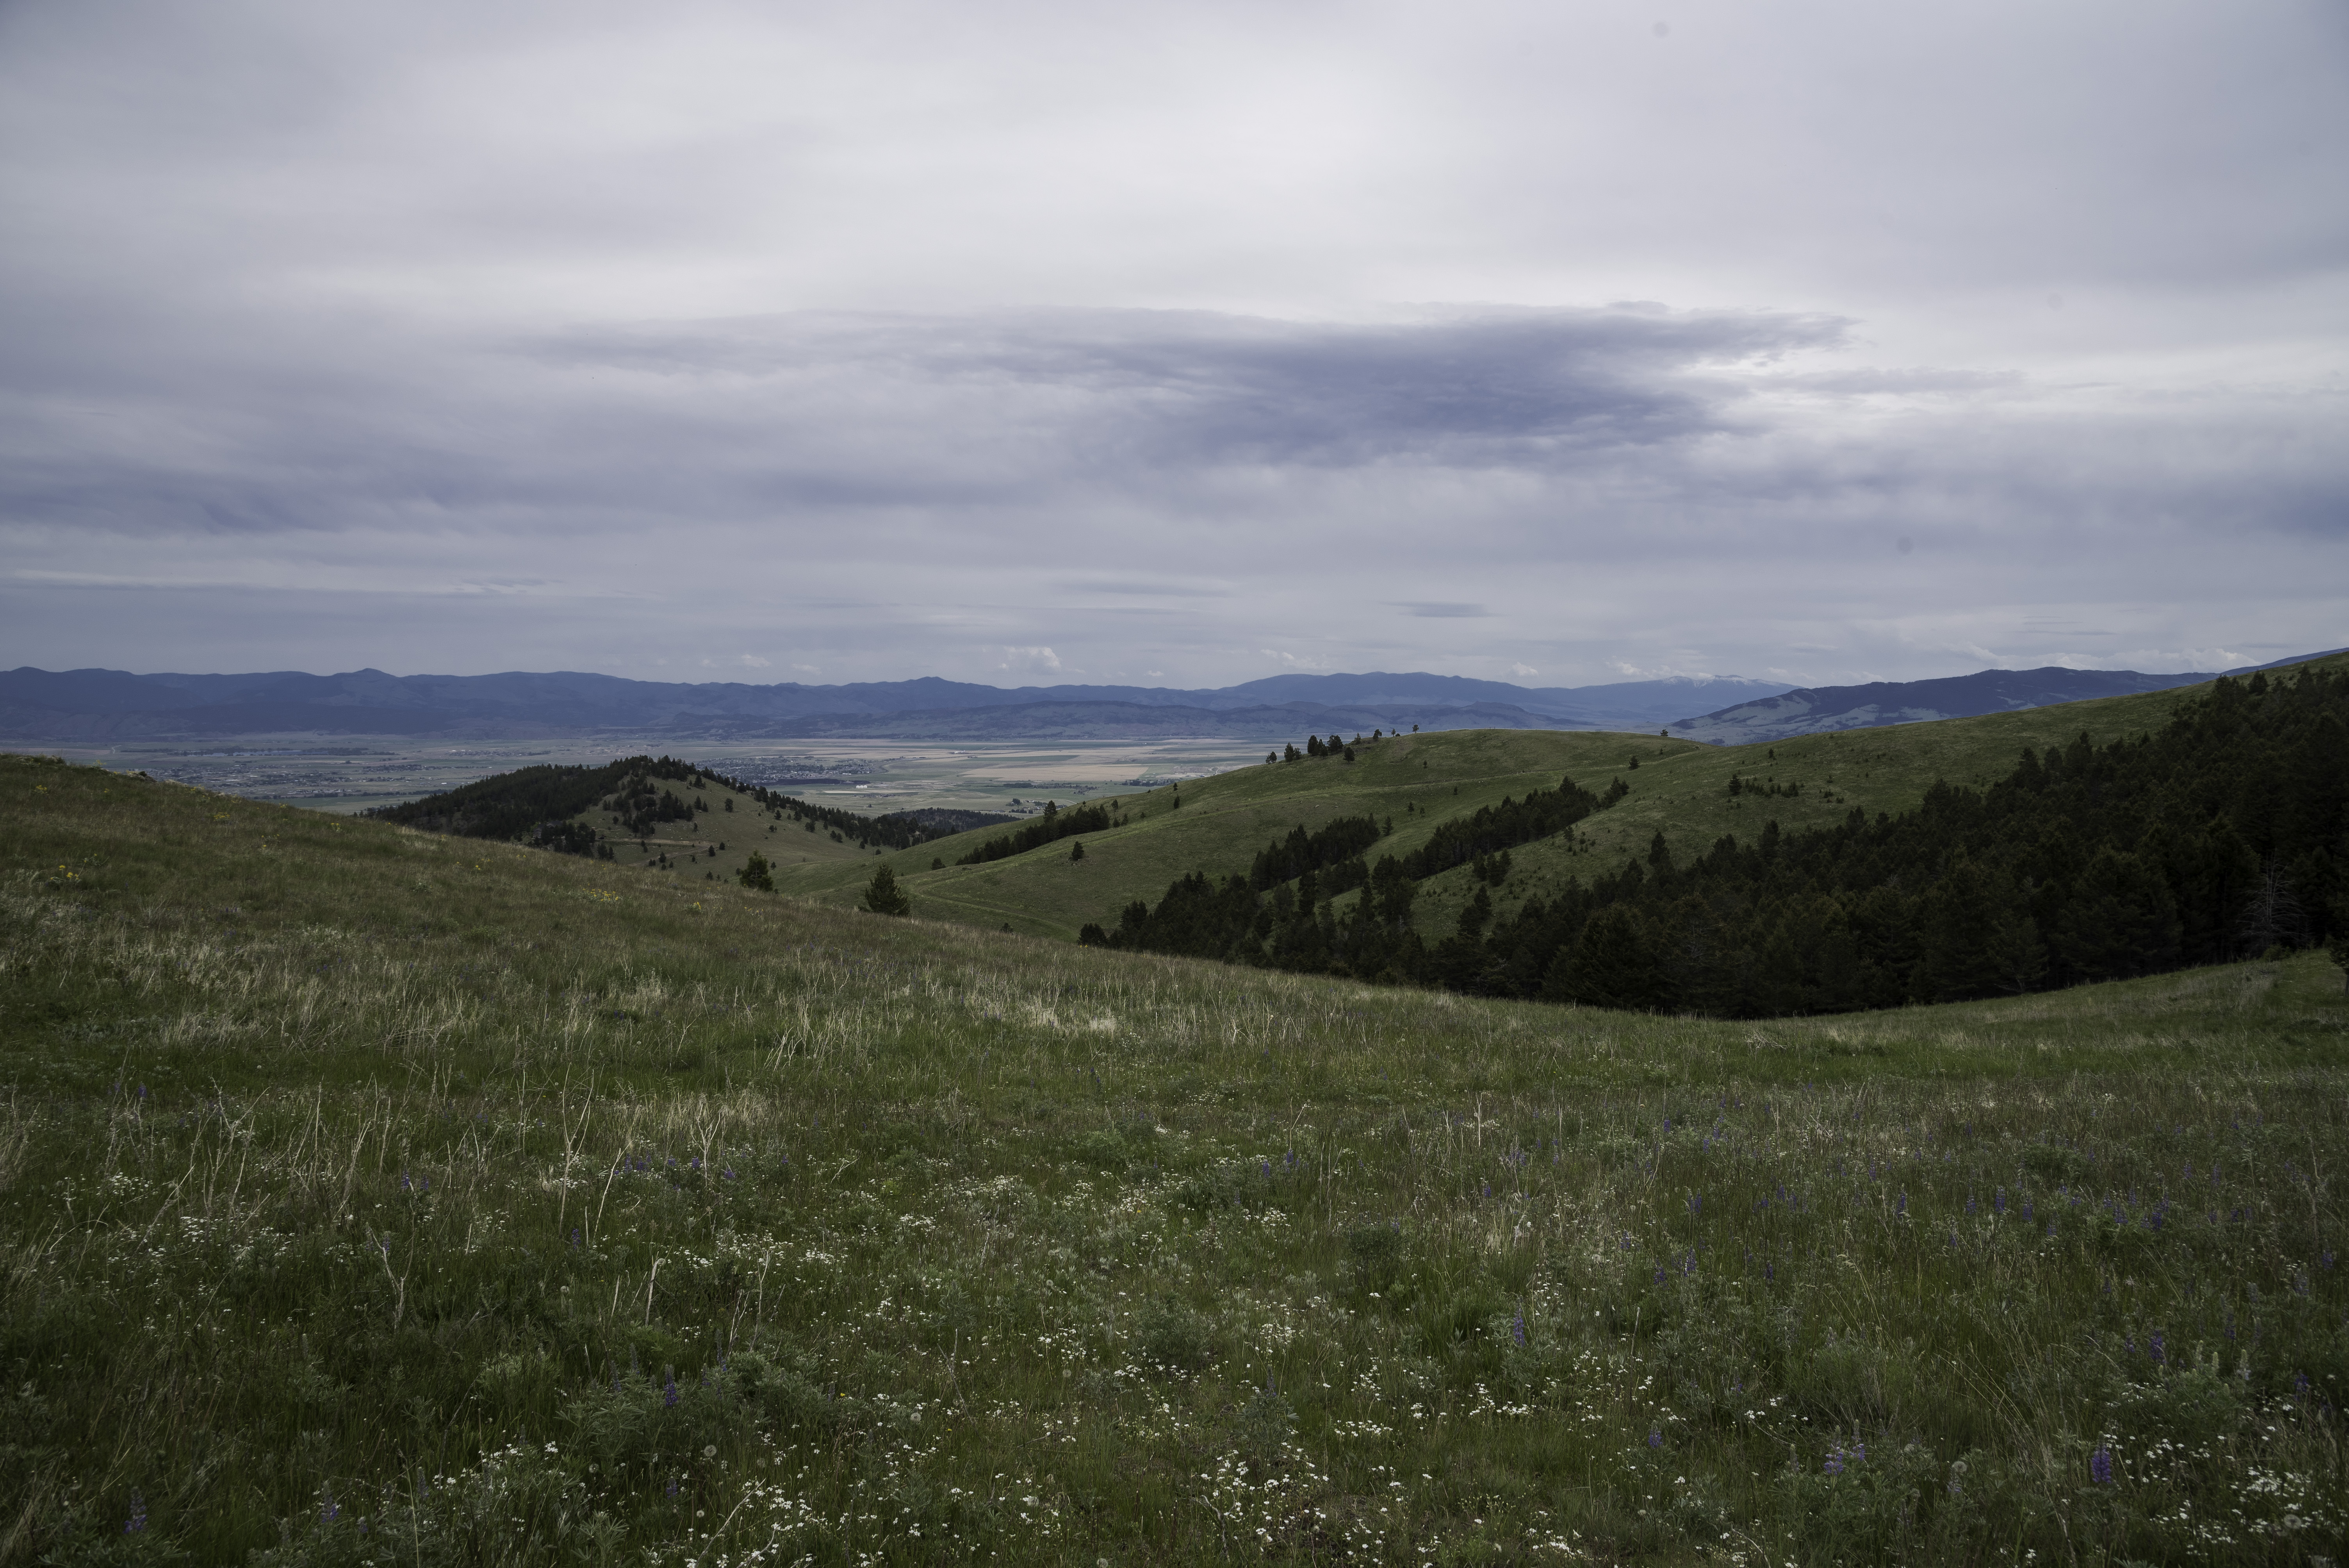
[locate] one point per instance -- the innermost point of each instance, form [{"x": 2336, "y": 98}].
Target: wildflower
[
  {"x": 2155, "y": 1346},
  {"x": 668, "y": 1387},
  {"x": 1517, "y": 1328},
  {"x": 328, "y": 1510},
  {"x": 1903, "y": 1206},
  {"x": 1835, "y": 1462},
  {"x": 2100, "y": 1465},
  {"x": 138, "y": 1514},
  {"x": 1655, "y": 1438}
]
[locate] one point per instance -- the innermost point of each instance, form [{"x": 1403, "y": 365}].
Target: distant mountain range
[
  {"x": 95, "y": 706},
  {"x": 109, "y": 705},
  {"x": 1813, "y": 710}
]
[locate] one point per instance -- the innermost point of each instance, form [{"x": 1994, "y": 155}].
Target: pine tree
[
  {"x": 884, "y": 897},
  {"x": 755, "y": 873},
  {"x": 1078, "y": 853}
]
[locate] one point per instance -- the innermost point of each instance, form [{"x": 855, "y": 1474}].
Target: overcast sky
[{"x": 1176, "y": 344}]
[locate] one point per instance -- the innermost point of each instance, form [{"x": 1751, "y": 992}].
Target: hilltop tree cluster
[
  {"x": 1315, "y": 746},
  {"x": 2225, "y": 834}
]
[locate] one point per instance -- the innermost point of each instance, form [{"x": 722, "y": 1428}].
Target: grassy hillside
[
  {"x": 1679, "y": 788},
  {"x": 369, "y": 1196}
]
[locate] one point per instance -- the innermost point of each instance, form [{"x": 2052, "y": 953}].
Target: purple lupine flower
[
  {"x": 668, "y": 1387},
  {"x": 1835, "y": 1462},
  {"x": 1997, "y": 1200},
  {"x": 2156, "y": 1347},
  {"x": 328, "y": 1509},
  {"x": 139, "y": 1515},
  {"x": 1903, "y": 1206},
  {"x": 1655, "y": 1438},
  {"x": 2100, "y": 1465},
  {"x": 1517, "y": 1328},
  {"x": 1858, "y": 1453},
  {"x": 671, "y": 1488}
]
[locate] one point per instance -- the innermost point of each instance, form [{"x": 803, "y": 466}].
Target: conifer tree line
[
  {"x": 2223, "y": 835},
  {"x": 1053, "y": 826},
  {"x": 534, "y": 805},
  {"x": 1298, "y": 927}
]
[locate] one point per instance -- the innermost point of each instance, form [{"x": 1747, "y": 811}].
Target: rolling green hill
[
  {"x": 368, "y": 1195},
  {"x": 1680, "y": 789}
]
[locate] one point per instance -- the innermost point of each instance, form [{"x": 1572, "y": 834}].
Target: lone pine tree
[{"x": 883, "y": 895}]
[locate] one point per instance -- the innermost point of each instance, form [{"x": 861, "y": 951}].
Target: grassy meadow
[{"x": 367, "y": 1197}]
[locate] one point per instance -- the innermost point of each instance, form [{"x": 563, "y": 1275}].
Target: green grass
[{"x": 525, "y": 1208}]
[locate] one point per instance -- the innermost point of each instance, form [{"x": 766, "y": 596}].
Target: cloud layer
[{"x": 893, "y": 345}]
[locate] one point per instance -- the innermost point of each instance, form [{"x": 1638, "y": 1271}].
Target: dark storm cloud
[{"x": 1181, "y": 387}]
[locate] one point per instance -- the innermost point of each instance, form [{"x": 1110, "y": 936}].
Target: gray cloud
[{"x": 886, "y": 342}]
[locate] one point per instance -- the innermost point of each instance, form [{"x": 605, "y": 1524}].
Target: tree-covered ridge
[
  {"x": 1299, "y": 928},
  {"x": 2221, "y": 835},
  {"x": 1502, "y": 827},
  {"x": 513, "y": 805},
  {"x": 1053, "y": 826},
  {"x": 536, "y": 805},
  {"x": 1300, "y": 852}
]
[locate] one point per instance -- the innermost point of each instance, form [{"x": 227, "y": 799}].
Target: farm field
[{"x": 370, "y": 1196}]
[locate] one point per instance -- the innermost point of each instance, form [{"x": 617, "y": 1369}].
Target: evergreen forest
[{"x": 2217, "y": 836}]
